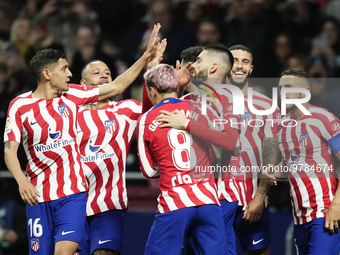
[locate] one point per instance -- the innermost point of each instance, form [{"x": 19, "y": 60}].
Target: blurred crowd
[{"x": 282, "y": 34}]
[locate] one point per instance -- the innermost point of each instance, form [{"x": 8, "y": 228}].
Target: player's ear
[
  {"x": 251, "y": 69},
  {"x": 46, "y": 74},
  {"x": 153, "y": 91},
  {"x": 213, "y": 68},
  {"x": 82, "y": 82}
]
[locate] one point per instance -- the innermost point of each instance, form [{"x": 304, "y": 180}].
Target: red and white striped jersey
[
  {"x": 254, "y": 128},
  {"x": 48, "y": 130},
  {"x": 227, "y": 189},
  {"x": 174, "y": 156},
  {"x": 104, "y": 137},
  {"x": 312, "y": 166}
]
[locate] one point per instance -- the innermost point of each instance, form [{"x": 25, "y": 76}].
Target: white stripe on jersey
[
  {"x": 212, "y": 191},
  {"x": 168, "y": 200},
  {"x": 183, "y": 196},
  {"x": 200, "y": 195},
  {"x": 147, "y": 170}
]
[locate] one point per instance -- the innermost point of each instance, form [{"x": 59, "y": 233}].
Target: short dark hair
[
  {"x": 242, "y": 47},
  {"x": 295, "y": 72},
  {"x": 43, "y": 58},
  {"x": 223, "y": 50},
  {"x": 191, "y": 54}
]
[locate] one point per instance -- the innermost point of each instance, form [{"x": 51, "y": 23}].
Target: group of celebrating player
[{"x": 77, "y": 140}]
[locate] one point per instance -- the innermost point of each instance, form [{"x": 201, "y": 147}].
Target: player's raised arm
[
  {"x": 27, "y": 191},
  {"x": 123, "y": 81}
]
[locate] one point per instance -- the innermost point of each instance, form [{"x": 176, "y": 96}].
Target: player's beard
[
  {"x": 202, "y": 74},
  {"x": 238, "y": 83},
  {"x": 290, "y": 107}
]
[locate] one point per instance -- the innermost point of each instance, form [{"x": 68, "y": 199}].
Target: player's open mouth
[
  {"x": 239, "y": 73},
  {"x": 101, "y": 82}
]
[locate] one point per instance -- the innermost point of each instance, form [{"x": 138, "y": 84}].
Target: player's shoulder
[
  {"x": 261, "y": 97},
  {"x": 78, "y": 90},
  {"x": 23, "y": 99},
  {"x": 73, "y": 86},
  {"x": 321, "y": 113},
  {"x": 192, "y": 97},
  {"x": 128, "y": 101}
]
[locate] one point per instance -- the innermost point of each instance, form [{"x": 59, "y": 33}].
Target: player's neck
[
  {"x": 214, "y": 79},
  {"x": 296, "y": 113},
  {"x": 244, "y": 89},
  {"x": 44, "y": 91},
  {"x": 160, "y": 97}
]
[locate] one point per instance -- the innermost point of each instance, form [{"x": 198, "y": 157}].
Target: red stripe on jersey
[
  {"x": 120, "y": 163},
  {"x": 98, "y": 184},
  {"x": 108, "y": 196}
]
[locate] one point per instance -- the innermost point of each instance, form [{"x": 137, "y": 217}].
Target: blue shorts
[
  {"x": 203, "y": 225},
  {"x": 59, "y": 220},
  {"x": 312, "y": 238},
  {"x": 253, "y": 236},
  {"x": 106, "y": 230},
  {"x": 228, "y": 214}
]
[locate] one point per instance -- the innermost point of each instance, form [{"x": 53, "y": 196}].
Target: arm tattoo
[
  {"x": 8, "y": 144},
  {"x": 270, "y": 156},
  {"x": 263, "y": 188},
  {"x": 270, "y": 151}
]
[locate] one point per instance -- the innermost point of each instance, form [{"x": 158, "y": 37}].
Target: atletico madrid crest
[
  {"x": 110, "y": 126},
  {"x": 303, "y": 140},
  {"x": 35, "y": 244},
  {"x": 63, "y": 110}
]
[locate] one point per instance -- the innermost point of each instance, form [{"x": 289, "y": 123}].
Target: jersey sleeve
[
  {"x": 225, "y": 139},
  {"x": 330, "y": 130},
  {"x": 82, "y": 94},
  {"x": 147, "y": 163},
  {"x": 131, "y": 108},
  {"x": 13, "y": 124},
  {"x": 330, "y": 126},
  {"x": 146, "y": 101}
]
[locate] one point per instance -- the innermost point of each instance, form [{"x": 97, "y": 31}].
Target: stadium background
[{"x": 281, "y": 34}]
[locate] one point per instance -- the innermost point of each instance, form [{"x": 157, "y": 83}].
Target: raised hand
[
  {"x": 158, "y": 56},
  {"x": 153, "y": 41},
  {"x": 184, "y": 74}
]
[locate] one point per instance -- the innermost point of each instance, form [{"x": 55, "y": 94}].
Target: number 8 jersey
[{"x": 174, "y": 156}]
